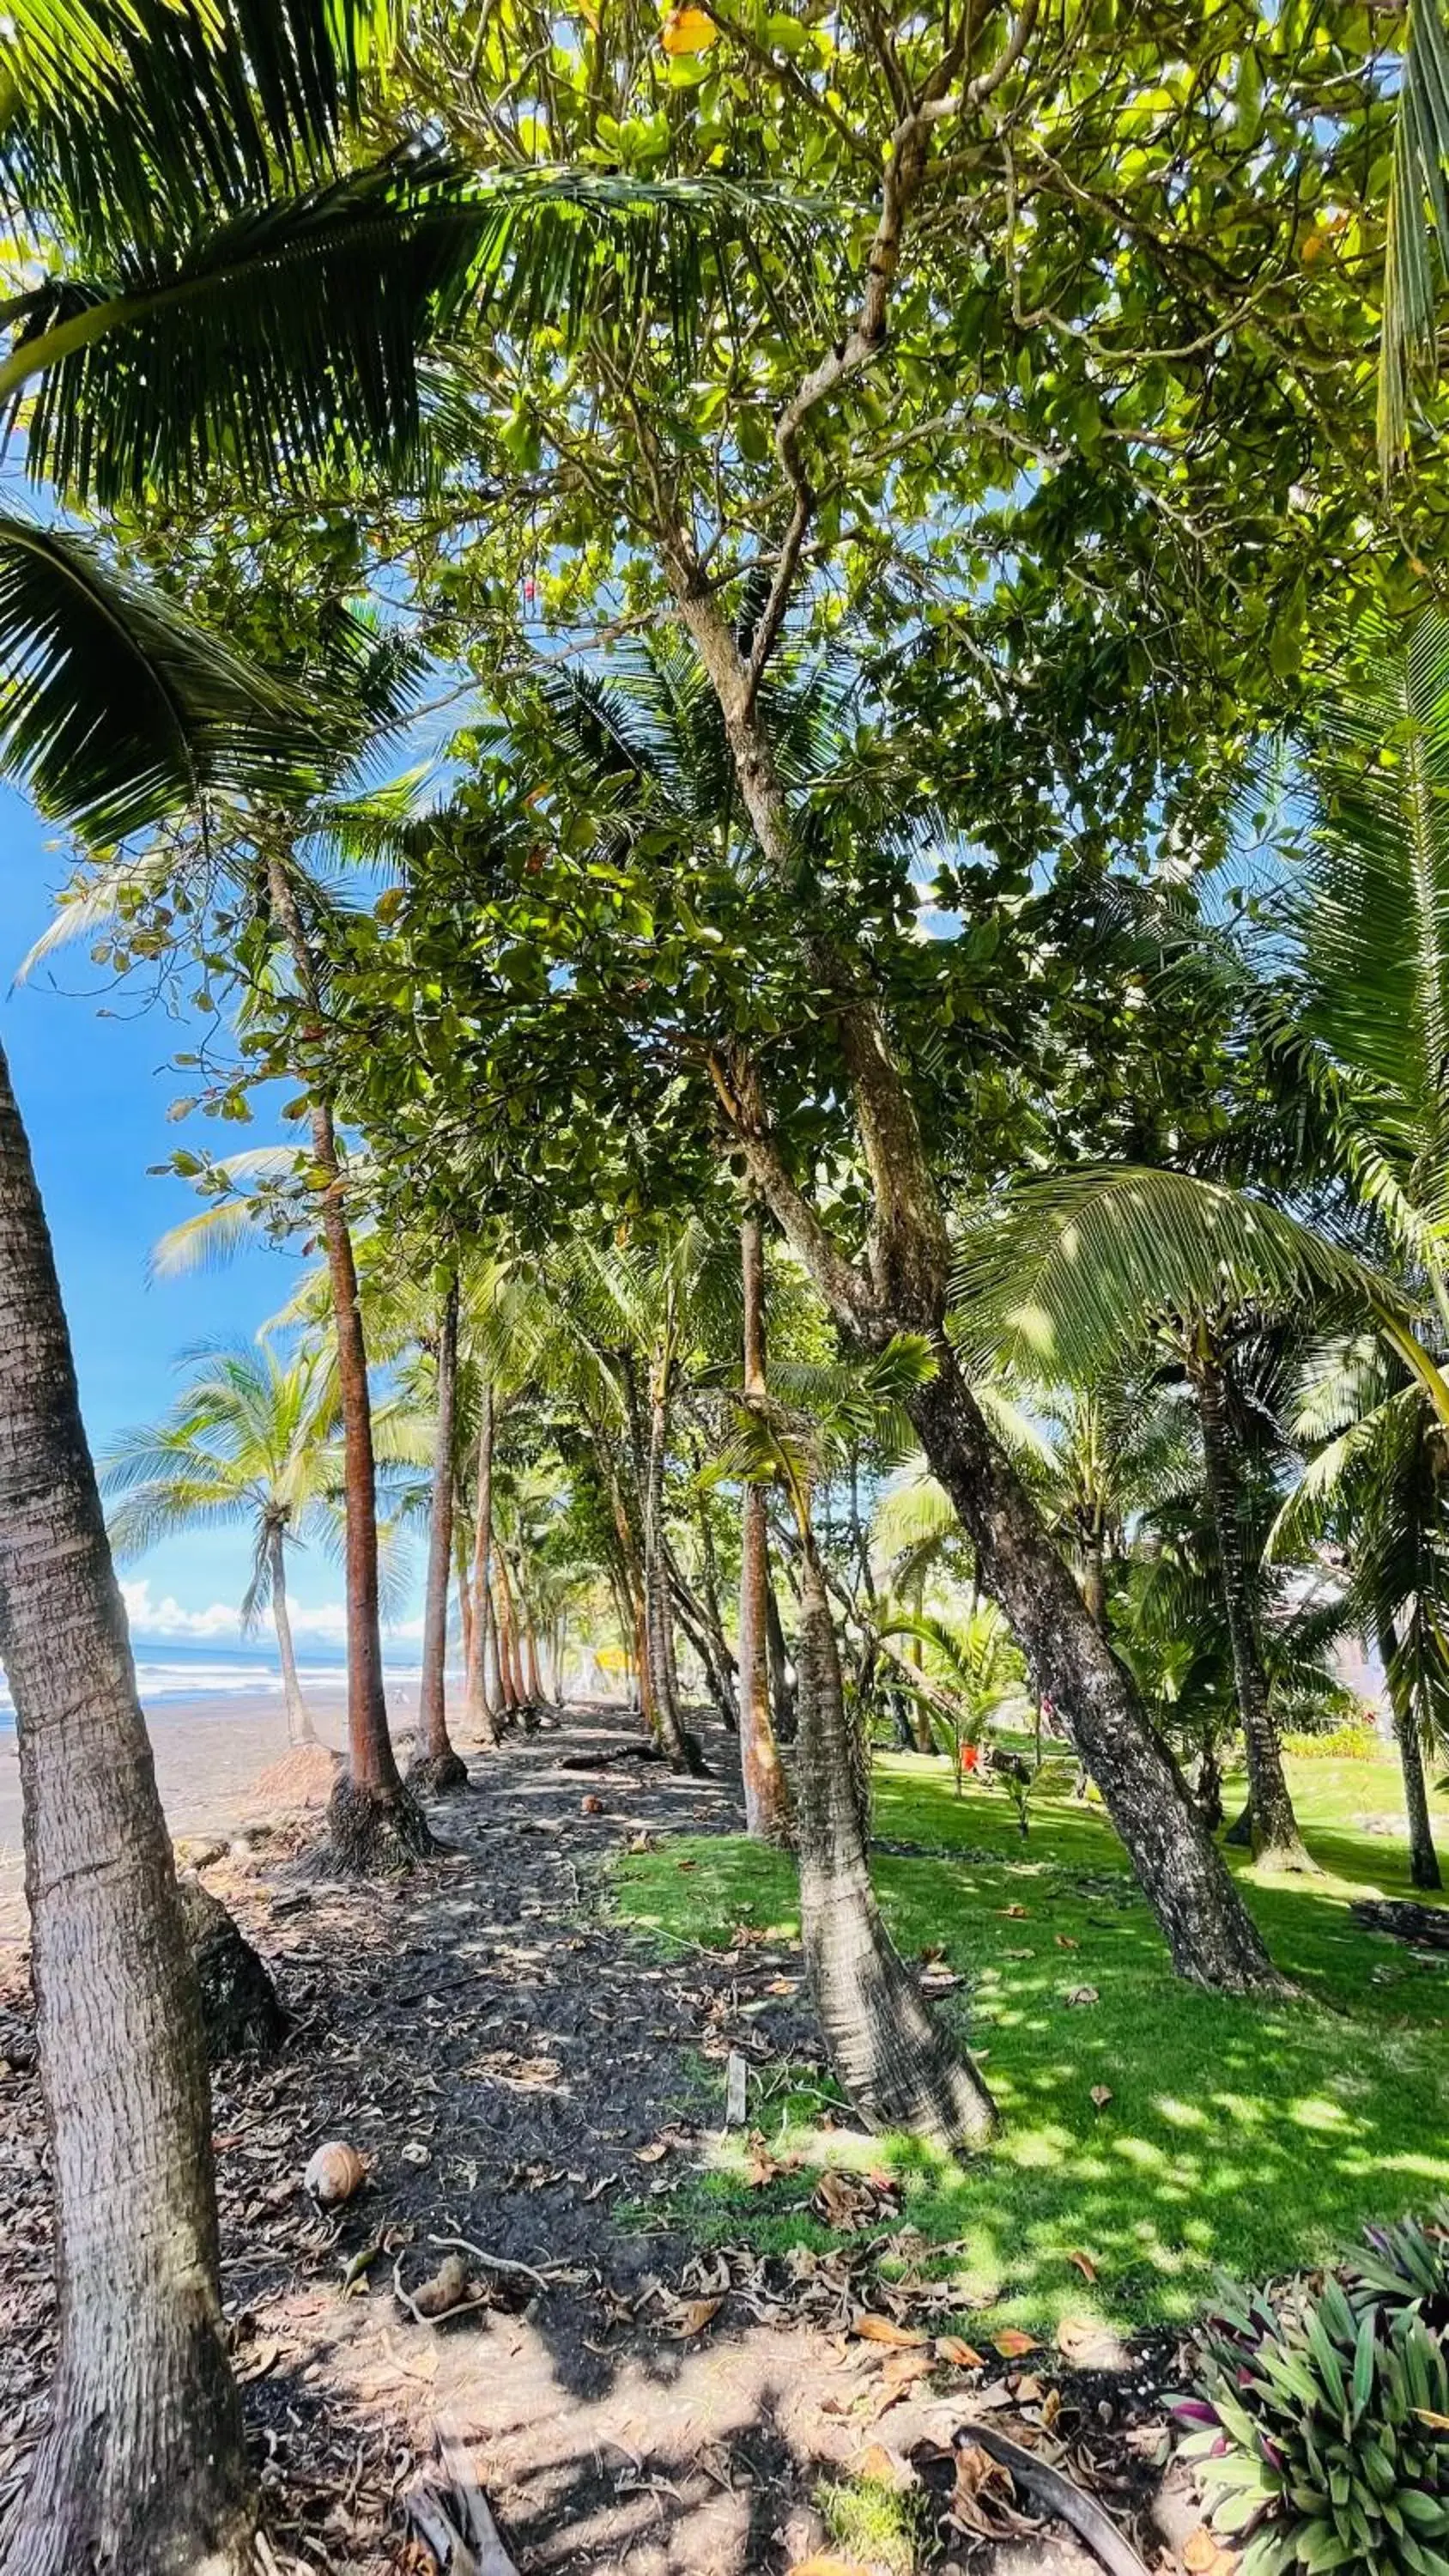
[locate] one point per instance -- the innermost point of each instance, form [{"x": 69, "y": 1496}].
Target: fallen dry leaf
[
  {"x": 1029, "y": 2390},
  {"x": 960, "y": 2355},
  {"x": 1083, "y": 1995},
  {"x": 1013, "y": 1913},
  {"x": 1064, "y": 1941},
  {"x": 1101, "y": 2095},
  {"x": 883, "y": 2467},
  {"x": 877, "y": 2329},
  {"x": 1202, "y": 2555},
  {"x": 654, "y": 2152},
  {"x": 1084, "y": 2263},
  {"x": 1436, "y": 2423},
  {"x": 591, "y": 1806},
  {"x": 1011, "y": 2343},
  {"x": 693, "y": 2318}
]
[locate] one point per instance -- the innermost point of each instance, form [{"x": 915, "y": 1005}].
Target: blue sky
[{"x": 94, "y": 1093}]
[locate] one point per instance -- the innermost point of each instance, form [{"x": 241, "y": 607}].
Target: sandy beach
[{"x": 208, "y": 1753}]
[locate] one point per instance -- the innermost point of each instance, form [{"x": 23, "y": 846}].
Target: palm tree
[
  {"x": 249, "y": 1440},
  {"x": 1374, "y": 1489}
]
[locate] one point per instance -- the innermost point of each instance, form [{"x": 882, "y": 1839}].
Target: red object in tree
[{"x": 970, "y": 1757}]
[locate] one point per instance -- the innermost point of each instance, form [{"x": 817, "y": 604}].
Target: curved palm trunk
[
  {"x": 300, "y": 1729},
  {"x": 1423, "y": 1858},
  {"x": 896, "y": 2066},
  {"x": 1274, "y": 1828},
  {"x": 142, "y": 2466},
  {"x": 1209, "y": 1932},
  {"x": 439, "y": 1767},
  {"x": 680, "y": 1749},
  {"x": 478, "y": 1708},
  {"x": 373, "y": 1820}
]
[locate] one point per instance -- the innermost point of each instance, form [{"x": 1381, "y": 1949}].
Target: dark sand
[{"x": 208, "y": 1753}]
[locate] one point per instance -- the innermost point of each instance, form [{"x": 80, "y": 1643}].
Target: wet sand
[{"x": 208, "y": 1753}]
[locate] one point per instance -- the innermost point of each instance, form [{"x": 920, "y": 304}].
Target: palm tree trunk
[
  {"x": 373, "y": 1821},
  {"x": 767, "y": 1799},
  {"x": 141, "y": 2466},
  {"x": 510, "y": 1679},
  {"x": 536, "y": 1691},
  {"x": 895, "y": 2065},
  {"x": 462, "y": 1571},
  {"x": 478, "y": 1708},
  {"x": 1094, "y": 1581},
  {"x": 438, "y": 1767},
  {"x": 782, "y": 1688},
  {"x": 300, "y": 1729},
  {"x": 1423, "y": 1858},
  {"x": 1209, "y": 1932},
  {"x": 680, "y": 1748},
  {"x": 1275, "y": 1835}
]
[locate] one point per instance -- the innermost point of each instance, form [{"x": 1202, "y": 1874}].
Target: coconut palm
[
  {"x": 1373, "y": 1488},
  {"x": 249, "y": 1441}
]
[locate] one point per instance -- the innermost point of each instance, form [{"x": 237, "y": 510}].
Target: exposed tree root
[
  {"x": 376, "y": 1833},
  {"x": 240, "y": 2013},
  {"x": 438, "y": 1775}
]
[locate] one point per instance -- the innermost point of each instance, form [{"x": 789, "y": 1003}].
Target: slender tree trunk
[
  {"x": 1423, "y": 1858},
  {"x": 300, "y": 1729},
  {"x": 510, "y": 1689},
  {"x": 895, "y": 2064},
  {"x": 438, "y": 1767},
  {"x": 478, "y": 1708},
  {"x": 465, "y": 1591},
  {"x": 767, "y": 1801},
  {"x": 782, "y": 1688},
  {"x": 374, "y": 1821},
  {"x": 720, "y": 1656},
  {"x": 141, "y": 2468},
  {"x": 536, "y": 1690},
  {"x": 1094, "y": 1581},
  {"x": 1208, "y": 1930},
  {"x": 680, "y": 1748},
  {"x": 1275, "y": 1834}
]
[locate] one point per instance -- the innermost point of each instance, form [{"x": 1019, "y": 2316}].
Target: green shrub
[
  {"x": 1355, "y": 1742},
  {"x": 1321, "y": 2434}
]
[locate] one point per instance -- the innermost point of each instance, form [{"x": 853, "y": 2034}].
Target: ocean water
[{"x": 169, "y": 1670}]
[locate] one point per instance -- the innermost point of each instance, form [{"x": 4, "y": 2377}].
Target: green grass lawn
[{"x": 1237, "y": 2138}]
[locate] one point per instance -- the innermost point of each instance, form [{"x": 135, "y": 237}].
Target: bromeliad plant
[{"x": 1322, "y": 2432}]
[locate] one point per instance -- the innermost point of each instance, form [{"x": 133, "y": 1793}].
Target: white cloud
[
  {"x": 323, "y": 1624},
  {"x": 168, "y": 1619}
]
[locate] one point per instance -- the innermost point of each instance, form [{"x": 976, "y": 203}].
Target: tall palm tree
[
  {"x": 249, "y": 1440},
  {"x": 1374, "y": 1488}
]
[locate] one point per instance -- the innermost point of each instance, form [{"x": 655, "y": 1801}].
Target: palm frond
[
  {"x": 142, "y": 115},
  {"x": 1079, "y": 1268},
  {"x": 114, "y": 708},
  {"x": 1418, "y": 224},
  {"x": 285, "y": 338}
]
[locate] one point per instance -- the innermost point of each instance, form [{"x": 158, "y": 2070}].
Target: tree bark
[
  {"x": 478, "y": 1708},
  {"x": 438, "y": 1767},
  {"x": 141, "y": 2467},
  {"x": 782, "y": 1688},
  {"x": 300, "y": 1729},
  {"x": 510, "y": 1678},
  {"x": 681, "y": 1750},
  {"x": 1423, "y": 1858},
  {"x": 767, "y": 1804},
  {"x": 894, "y": 2063},
  {"x": 1094, "y": 1580},
  {"x": 1275, "y": 1835},
  {"x": 373, "y": 1820}
]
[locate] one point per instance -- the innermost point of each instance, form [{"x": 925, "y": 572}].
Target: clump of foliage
[
  {"x": 1353, "y": 1742},
  {"x": 1322, "y": 2431},
  {"x": 869, "y": 2519}
]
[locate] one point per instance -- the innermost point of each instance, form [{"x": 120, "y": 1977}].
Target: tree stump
[{"x": 240, "y": 2013}]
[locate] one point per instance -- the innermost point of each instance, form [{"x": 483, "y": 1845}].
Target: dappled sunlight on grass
[{"x": 1234, "y": 2136}]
